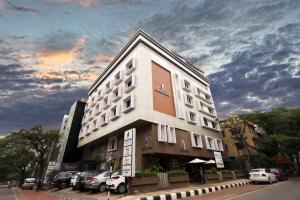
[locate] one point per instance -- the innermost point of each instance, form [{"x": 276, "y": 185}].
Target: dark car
[
  {"x": 279, "y": 174},
  {"x": 63, "y": 179},
  {"x": 83, "y": 177}
]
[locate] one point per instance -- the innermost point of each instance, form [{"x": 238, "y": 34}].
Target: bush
[
  {"x": 214, "y": 170},
  {"x": 154, "y": 168},
  {"x": 208, "y": 171},
  {"x": 145, "y": 174},
  {"x": 226, "y": 171},
  {"x": 177, "y": 173}
]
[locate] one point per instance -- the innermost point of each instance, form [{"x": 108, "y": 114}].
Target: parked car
[
  {"x": 262, "y": 175},
  {"x": 116, "y": 182},
  {"x": 29, "y": 183},
  {"x": 97, "y": 183},
  {"x": 83, "y": 177},
  {"x": 74, "y": 179},
  {"x": 63, "y": 179},
  {"x": 279, "y": 174}
]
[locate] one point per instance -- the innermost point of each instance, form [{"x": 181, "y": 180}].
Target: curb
[{"x": 191, "y": 193}]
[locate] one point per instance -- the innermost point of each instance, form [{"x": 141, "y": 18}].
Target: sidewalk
[
  {"x": 192, "y": 190},
  {"x": 33, "y": 195}
]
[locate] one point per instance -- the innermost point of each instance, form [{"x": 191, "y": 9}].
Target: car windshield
[
  {"x": 116, "y": 173},
  {"x": 257, "y": 170},
  {"x": 30, "y": 181}
]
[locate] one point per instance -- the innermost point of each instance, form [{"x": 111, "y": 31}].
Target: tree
[
  {"x": 40, "y": 142},
  {"x": 282, "y": 128}
]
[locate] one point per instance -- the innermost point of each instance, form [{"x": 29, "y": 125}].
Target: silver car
[
  {"x": 97, "y": 183},
  {"x": 29, "y": 183}
]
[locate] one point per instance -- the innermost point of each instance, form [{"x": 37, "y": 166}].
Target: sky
[{"x": 51, "y": 51}]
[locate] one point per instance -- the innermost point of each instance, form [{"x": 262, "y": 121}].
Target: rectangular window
[
  {"x": 105, "y": 102},
  {"x": 210, "y": 144},
  {"x": 128, "y": 103},
  {"x": 118, "y": 77},
  {"x": 130, "y": 67},
  {"x": 192, "y": 117},
  {"x": 97, "y": 109},
  {"x": 95, "y": 127},
  {"x": 99, "y": 94},
  {"x": 116, "y": 94},
  {"x": 171, "y": 134},
  {"x": 189, "y": 100},
  {"x": 129, "y": 83},
  {"x": 205, "y": 121},
  {"x": 162, "y": 133},
  {"x": 114, "y": 112},
  {"x": 103, "y": 119},
  {"x": 112, "y": 143},
  {"x": 87, "y": 129},
  {"x": 218, "y": 144},
  {"x": 186, "y": 85},
  {"x": 108, "y": 87},
  {"x": 196, "y": 140}
]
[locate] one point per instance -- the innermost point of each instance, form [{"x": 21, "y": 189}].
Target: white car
[
  {"x": 29, "y": 183},
  {"x": 116, "y": 182},
  {"x": 262, "y": 175}
]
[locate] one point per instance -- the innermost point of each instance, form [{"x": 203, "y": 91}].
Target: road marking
[
  {"x": 255, "y": 191},
  {"x": 15, "y": 194}
]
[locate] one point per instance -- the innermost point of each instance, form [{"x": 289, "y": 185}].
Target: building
[
  {"x": 165, "y": 98},
  {"x": 242, "y": 138},
  {"x": 66, "y": 149}
]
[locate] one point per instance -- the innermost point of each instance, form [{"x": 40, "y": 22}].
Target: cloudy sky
[{"x": 52, "y": 50}]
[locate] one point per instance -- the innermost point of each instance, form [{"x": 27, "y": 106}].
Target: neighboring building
[
  {"x": 67, "y": 146},
  {"x": 159, "y": 93},
  {"x": 250, "y": 144}
]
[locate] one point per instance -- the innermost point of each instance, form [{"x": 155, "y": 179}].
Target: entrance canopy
[
  {"x": 210, "y": 162},
  {"x": 197, "y": 160}
]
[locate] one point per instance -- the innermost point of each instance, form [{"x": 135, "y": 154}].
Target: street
[
  {"x": 288, "y": 190},
  {"x": 7, "y": 194}
]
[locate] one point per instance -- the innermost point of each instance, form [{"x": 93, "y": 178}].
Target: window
[
  {"x": 97, "y": 109},
  {"x": 87, "y": 129},
  {"x": 81, "y": 134},
  {"x": 103, "y": 119},
  {"x": 118, "y": 77},
  {"x": 99, "y": 94},
  {"x": 192, "y": 117},
  {"x": 171, "y": 134},
  {"x": 112, "y": 143},
  {"x": 105, "y": 102},
  {"x": 116, "y": 95},
  {"x": 114, "y": 112},
  {"x": 186, "y": 85},
  {"x": 130, "y": 66},
  {"x": 205, "y": 121},
  {"x": 162, "y": 133},
  {"x": 128, "y": 103},
  {"x": 129, "y": 83},
  {"x": 218, "y": 144},
  {"x": 189, "y": 100},
  {"x": 93, "y": 102},
  {"x": 108, "y": 87},
  {"x": 214, "y": 125},
  {"x": 196, "y": 140},
  {"x": 90, "y": 114},
  {"x": 210, "y": 144},
  {"x": 95, "y": 127},
  {"x": 211, "y": 110}
]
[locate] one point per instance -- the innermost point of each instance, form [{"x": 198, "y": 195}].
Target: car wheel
[
  {"x": 253, "y": 182},
  {"x": 102, "y": 187},
  {"x": 121, "y": 188},
  {"x": 63, "y": 186},
  {"x": 270, "y": 180}
]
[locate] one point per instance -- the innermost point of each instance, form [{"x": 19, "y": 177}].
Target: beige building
[{"x": 241, "y": 137}]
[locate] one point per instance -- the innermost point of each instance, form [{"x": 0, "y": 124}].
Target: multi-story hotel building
[{"x": 165, "y": 98}]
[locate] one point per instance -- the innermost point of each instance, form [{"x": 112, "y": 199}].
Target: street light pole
[{"x": 110, "y": 161}]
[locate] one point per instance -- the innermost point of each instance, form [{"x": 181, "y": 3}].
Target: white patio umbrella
[
  {"x": 211, "y": 161},
  {"x": 197, "y": 160}
]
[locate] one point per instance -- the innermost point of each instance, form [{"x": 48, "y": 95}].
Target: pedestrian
[{"x": 38, "y": 185}]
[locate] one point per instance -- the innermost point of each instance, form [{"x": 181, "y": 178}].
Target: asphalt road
[
  {"x": 287, "y": 190},
  {"x": 7, "y": 194}
]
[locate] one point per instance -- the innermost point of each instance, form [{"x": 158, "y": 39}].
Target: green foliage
[
  {"x": 261, "y": 161},
  {"x": 282, "y": 133},
  {"x": 145, "y": 174},
  {"x": 214, "y": 170},
  {"x": 52, "y": 174},
  {"x": 209, "y": 171},
  {"x": 226, "y": 171},
  {"x": 155, "y": 169},
  {"x": 177, "y": 173},
  {"x": 25, "y": 152}
]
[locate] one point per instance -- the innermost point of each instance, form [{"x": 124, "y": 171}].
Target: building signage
[
  {"x": 128, "y": 167},
  {"x": 219, "y": 159}
]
